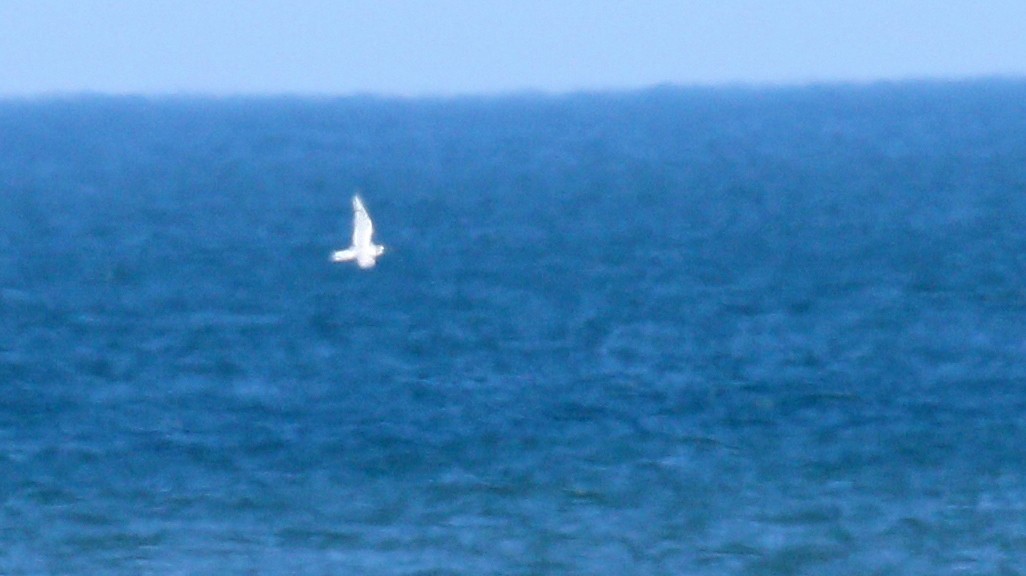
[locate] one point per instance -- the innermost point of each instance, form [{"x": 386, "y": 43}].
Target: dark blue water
[{"x": 720, "y": 331}]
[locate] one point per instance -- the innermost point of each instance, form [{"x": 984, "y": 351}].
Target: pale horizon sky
[{"x": 456, "y": 47}]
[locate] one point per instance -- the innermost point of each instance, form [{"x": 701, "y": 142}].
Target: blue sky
[{"x": 446, "y": 47}]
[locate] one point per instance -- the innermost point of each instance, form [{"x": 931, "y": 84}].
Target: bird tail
[{"x": 343, "y": 255}]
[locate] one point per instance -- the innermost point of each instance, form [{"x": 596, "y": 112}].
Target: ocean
[{"x": 698, "y": 331}]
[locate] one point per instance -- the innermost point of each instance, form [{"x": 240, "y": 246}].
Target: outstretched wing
[{"x": 363, "y": 228}]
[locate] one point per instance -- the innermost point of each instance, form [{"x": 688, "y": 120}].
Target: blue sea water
[{"x": 677, "y": 331}]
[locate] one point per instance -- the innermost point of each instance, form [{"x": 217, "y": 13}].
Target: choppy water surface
[{"x": 671, "y": 332}]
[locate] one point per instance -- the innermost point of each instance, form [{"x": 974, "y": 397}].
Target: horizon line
[{"x": 499, "y": 94}]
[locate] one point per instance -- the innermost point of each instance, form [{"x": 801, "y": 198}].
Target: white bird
[{"x": 363, "y": 250}]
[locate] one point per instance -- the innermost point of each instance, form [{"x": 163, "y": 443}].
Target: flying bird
[{"x": 363, "y": 250}]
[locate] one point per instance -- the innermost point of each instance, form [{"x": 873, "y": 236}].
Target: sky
[{"x": 455, "y": 47}]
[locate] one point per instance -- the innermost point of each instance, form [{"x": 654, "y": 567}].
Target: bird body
[{"x": 364, "y": 251}]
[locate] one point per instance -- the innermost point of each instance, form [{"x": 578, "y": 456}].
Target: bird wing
[{"x": 363, "y": 228}]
